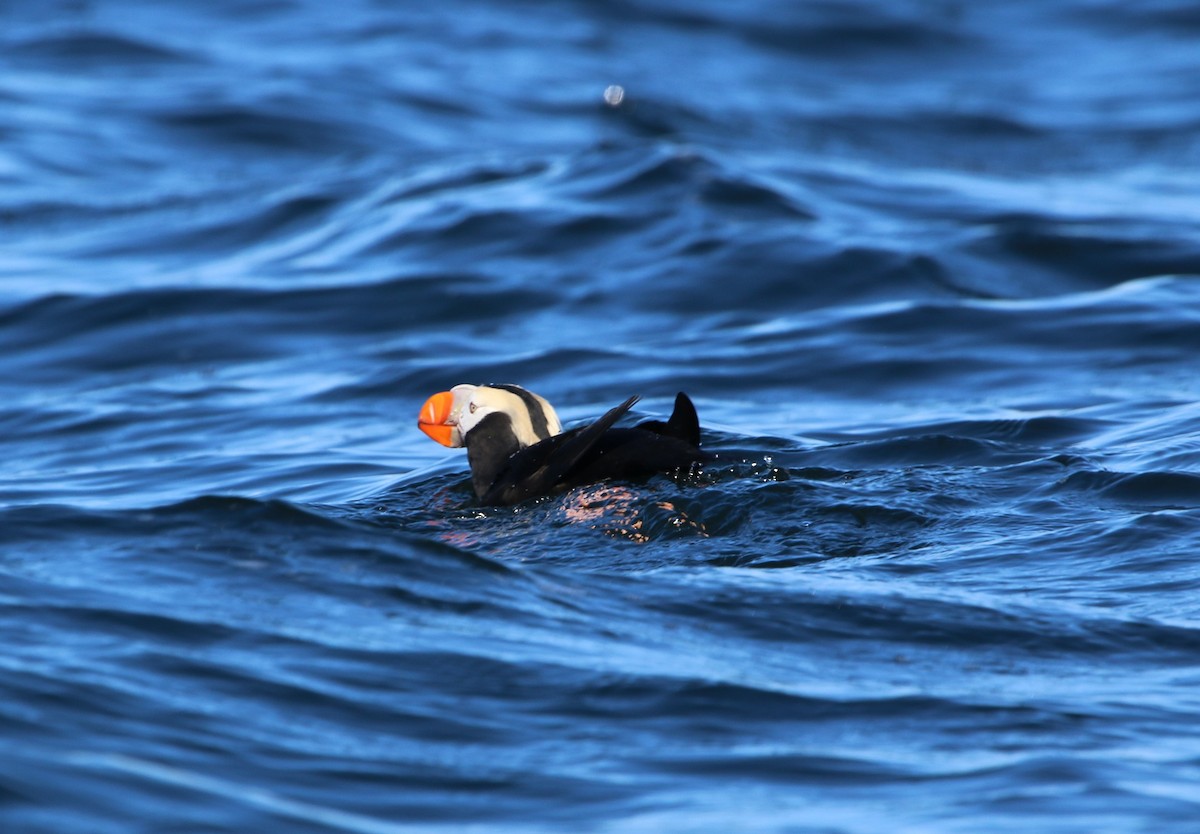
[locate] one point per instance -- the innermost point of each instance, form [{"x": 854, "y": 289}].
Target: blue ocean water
[{"x": 930, "y": 271}]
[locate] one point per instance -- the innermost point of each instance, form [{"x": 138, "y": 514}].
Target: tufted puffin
[{"x": 517, "y": 449}]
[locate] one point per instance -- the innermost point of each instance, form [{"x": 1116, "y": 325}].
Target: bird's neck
[{"x": 489, "y": 446}]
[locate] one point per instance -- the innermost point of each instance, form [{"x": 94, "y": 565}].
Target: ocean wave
[
  {"x": 99, "y": 50},
  {"x": 928, "y": 272}
]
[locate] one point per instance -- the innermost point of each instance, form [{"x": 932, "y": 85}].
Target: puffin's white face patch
[
  {"x": 474, "y": 402},
  {"x": 462, "y": 395}
]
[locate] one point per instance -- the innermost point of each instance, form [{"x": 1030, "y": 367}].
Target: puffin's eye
[{"x": 472, "y": 408}]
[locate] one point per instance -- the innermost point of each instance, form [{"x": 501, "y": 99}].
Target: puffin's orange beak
[{"x": 435, "y": 417}]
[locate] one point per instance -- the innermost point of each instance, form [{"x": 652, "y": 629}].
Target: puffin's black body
[{"x": 503, "y": 472}]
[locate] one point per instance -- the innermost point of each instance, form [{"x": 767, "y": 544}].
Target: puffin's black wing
[{"x": 538, "y": 469}]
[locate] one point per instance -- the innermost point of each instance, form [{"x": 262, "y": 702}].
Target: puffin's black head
[
  {"x": 494, "y": 422},
  {"x": 449, "y": 417}
]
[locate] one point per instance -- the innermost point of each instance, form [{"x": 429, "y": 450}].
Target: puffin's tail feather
[{"x": 684, "y": 424}]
